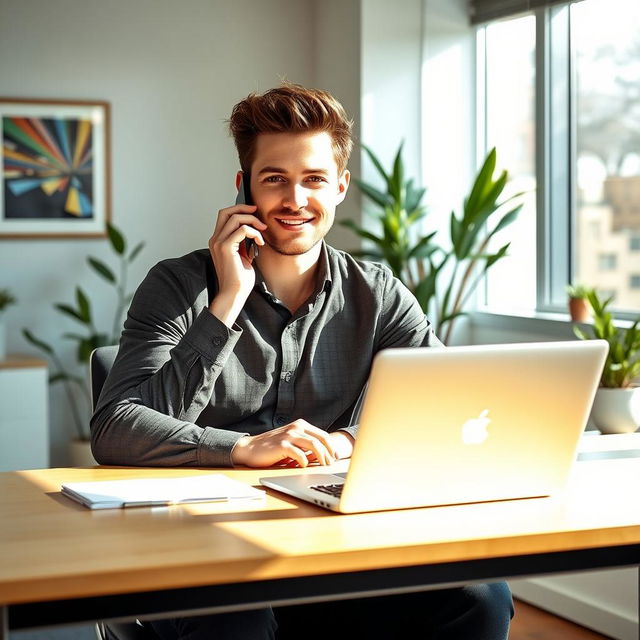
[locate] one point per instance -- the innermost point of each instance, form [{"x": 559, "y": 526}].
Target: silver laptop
[{"x": 462, "y": 424}]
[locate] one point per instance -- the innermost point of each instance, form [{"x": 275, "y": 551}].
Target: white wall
[
  {"x": 172, "y": 71},
  {"x": 390, "y": 48},
  {"x": 448, "y": 118},
  {"x": 337, "y": 33}
]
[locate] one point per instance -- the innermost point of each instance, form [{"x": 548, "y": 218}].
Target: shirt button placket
[{"x": 285, "y": 391}]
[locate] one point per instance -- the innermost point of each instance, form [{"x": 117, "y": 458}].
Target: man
[{"x": 230, "y": 359}]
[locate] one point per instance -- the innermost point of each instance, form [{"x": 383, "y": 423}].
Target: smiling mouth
[{"x": 293, "y": 223}]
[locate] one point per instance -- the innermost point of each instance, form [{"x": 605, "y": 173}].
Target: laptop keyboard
[{"x": 332, "y": 489}]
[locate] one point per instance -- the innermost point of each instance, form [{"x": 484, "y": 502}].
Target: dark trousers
[{"x": 476, "y": 612}]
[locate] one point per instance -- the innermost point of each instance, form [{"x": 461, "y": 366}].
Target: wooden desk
[{"x": 62, "y": 563}]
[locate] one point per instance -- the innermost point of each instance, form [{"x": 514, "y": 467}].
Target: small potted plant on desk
[
  {"x": 616, "y": 407},
  {"x": 579, "y": 308}
]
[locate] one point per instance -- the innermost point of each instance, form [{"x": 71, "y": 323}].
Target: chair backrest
[{"x": 100, "y": 363}]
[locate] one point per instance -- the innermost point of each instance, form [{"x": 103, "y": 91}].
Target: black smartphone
[{"x": 244, "y": 197}]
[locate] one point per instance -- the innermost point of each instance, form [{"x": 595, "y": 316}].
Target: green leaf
[
  {"x": 84, "y": 306},
  {"x": 490, "y": 198},
  {"x": 397, "y": 177},
  {"x": 102, "y": 269},
  {"x": 474, "y": 219},
  {"x": 414, "y": 196},
  {"x": 426, "y": 289},
  {"x": 363, "y": 233},
  {"x": 415, "y": 216},
  {"x": 482, "y": 181},
  {"x": 580, "y": 333},
  {"x": 116, "y": 239},
  {"x": 451, "y": 316},
  {"x": 507, "y": 219},
  {"x": 501, "y": 253},
  {"x": 134, "y": 254},
  {"x": 455, "y": 231},
  {"x": 88, "y": 344},
  {"x": 377, "y": 164},
  {"x": 70, "y": 311},
  {"x": 73, "y": 336},
  {"x": 423, "y": 248},
  {"x": 381, "y": 199},
  {"x": 36, "y": 342}
]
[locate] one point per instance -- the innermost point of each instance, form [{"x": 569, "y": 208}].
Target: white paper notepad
[{"x": 144, "y": 492}]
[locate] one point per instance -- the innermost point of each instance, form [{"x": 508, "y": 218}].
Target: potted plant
[
  {"x": 616, "y": 407},
  {"x": 76, "y": 379},
  {"x": 442, "y": 277},
  {"x": 6, "y": 300},
  {"x": 579, "y": 308}
]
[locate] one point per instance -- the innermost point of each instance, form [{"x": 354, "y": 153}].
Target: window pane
[
  {"x": 510, "y": 127},
  {"x": 606, "y": 43}
]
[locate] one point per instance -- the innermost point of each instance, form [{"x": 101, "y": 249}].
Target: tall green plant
[
  {"x": 622, "y": 365},
  {"x": 441, "y": 277},
  {"x": 92, "y": 337},
  {"x": 401, "y": 210}
]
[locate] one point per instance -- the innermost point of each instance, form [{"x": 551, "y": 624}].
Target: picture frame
[{"x": 55, "y": 159}]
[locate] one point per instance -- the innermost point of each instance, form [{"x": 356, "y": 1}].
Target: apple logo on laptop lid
[{"x": 474, "y": 430}]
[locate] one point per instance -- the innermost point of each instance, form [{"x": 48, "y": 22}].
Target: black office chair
[{"x": 100, "y": 363}]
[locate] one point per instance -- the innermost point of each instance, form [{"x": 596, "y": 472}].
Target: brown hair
[{"x": 290, "y": 108}]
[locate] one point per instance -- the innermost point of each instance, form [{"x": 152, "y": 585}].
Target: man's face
[{"x": 296, "y": 187}]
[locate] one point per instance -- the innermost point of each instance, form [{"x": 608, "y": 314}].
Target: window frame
[{"x": 555, "y": 156}]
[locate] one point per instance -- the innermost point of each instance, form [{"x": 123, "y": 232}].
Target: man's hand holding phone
[{"x": 233, "y": 263}]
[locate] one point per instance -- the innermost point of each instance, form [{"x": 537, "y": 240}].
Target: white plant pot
[
  {"x": 616, "y": 410},
  {"x": 80, "y": 454}
]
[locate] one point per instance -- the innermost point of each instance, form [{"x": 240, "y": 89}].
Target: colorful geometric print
[{"x": 52, "y": 154}]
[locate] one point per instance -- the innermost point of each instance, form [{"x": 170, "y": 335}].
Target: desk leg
[{"x": 4, "y": 623}]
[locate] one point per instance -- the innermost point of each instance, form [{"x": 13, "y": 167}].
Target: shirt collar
[{"x": 324, "y": 278}]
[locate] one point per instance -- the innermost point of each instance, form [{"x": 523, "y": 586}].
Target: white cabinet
[{"x": 24, "y": 414}]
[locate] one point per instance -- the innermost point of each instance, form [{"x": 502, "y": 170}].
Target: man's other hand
[{"x": 299, "y": 442}]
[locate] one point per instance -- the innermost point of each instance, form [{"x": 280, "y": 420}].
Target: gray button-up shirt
[{"x": 185, "y": 387}]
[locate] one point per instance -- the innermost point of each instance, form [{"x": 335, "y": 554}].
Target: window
[
  {"x": 606, "y": 46},
  {"x": 607, "y": 261},
  {"x": 510, "y": 127},
  {"x": 560, "y": 99}
]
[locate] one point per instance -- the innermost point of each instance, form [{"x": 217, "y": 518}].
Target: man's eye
[
  {"x": 317, "y": 179},
  {"x": 274, "y": 179}
]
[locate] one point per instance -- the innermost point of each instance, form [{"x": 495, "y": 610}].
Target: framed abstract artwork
[{"x": 55, "y": 168}]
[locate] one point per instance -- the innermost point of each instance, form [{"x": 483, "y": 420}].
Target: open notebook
[{"x": 144, "y": 492}]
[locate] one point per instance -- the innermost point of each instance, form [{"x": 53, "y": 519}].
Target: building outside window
[{"x": 607, "y": 261}]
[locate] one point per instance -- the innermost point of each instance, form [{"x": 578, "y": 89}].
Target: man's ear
[
  {"x": 343, "y": 185},
  {"x": 239, "y": 179}
]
